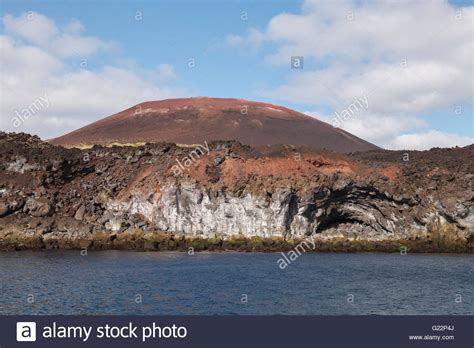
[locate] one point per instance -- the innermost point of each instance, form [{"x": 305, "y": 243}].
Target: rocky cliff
[{"x": 106, "y": 197}]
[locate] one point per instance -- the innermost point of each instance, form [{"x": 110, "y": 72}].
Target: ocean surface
[{"x": 120, "y": 282}]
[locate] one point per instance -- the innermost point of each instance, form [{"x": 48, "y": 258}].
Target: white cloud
[
  {"x": 166, "y": 72},
  {"x": 39, "y": 30},
  {"x": 391, "y": 132},
  {"x": 362, "y": 124},
  {"x": 407, "y": 57},
  {"x": 32, "y": 27},
  {"x": 427, "y": 140},
  {"x": 233, "y": 40},
  {"x": 74, "y": 27},
  {"x": 33, "y": 64}
]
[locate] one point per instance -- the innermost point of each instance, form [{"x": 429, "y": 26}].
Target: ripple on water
[{"x": 113, "y": 282}]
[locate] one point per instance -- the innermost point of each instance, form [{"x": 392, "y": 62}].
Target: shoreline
[
  {"x": 229, "y": 252},
  {"x": 162, "y": 242}
]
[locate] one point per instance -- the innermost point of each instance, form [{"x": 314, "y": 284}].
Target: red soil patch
[{"x": 391, "y": 172}]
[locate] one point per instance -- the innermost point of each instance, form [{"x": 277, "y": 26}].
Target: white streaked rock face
[
  {"x": 191, "y": 210},
  {"x": 353, "y": 211}
]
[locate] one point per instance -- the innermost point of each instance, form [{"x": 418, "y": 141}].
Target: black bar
[{"x": 251, "y": 331}]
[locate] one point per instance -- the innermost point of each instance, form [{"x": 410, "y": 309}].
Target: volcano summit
[{"x": 196, "y": 120}]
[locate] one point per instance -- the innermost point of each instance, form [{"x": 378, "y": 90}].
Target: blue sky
[{"x": 140, "y": 50}]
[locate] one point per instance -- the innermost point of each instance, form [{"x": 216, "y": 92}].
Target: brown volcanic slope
[{"x": 196, "y": 120}]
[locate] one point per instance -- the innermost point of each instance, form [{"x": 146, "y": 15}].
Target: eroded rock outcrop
[{"x": 56, "y": 197}]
